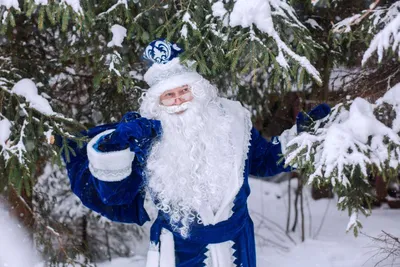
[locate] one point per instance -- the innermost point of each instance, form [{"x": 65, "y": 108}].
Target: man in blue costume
[{"x": 192, "y": 151}]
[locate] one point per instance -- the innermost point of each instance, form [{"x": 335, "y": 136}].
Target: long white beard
[{"x": 192, "y": 163}]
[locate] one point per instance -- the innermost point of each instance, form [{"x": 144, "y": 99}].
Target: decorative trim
[
  {"x": 110, "y": 175},
  {"x": 109, "y": 166},
  {"x": 154, "y": 246},
  {"x": 153, "y": 258},
  {"x": 167, "y": 249},
  {"x": 247, "y": 139}
]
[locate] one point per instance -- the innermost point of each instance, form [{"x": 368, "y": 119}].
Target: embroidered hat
[{"x": 166, "y": 71}]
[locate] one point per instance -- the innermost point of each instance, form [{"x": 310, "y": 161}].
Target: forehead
[{"x": 176, "y": 89}]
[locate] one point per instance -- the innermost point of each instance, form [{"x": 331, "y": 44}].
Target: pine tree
[{"x": 67, "y": 49}]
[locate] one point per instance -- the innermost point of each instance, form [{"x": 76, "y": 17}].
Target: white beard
[{"x": 191, "y": 165}]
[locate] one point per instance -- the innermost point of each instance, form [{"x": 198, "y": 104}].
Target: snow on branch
[
  {"x": 246, "y": 13},
  {"x": 350, "y": 138},
  {"x": 9, "y": 4},
  {"x": 119, "y": 2},
  {"x": 74, "y": 4},
  {"x": 15, "y": 142},
  {"x": 119, "y": 34},
  {"x": 383, "y": 23},
  {"x": 28, "y": 89},
  {"x": 357, "y": 139},
  {"x": 387, "y": 38}
]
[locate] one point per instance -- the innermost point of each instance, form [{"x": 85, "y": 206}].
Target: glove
[
  {"x": 304, "y": 121},
  {"x": 134, "y": 132}
]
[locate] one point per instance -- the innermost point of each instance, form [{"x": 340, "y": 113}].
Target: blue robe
[{"x": 122, "y": 200}]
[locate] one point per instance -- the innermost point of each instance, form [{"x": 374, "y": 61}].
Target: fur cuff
[{"x": 109, "y": 166}]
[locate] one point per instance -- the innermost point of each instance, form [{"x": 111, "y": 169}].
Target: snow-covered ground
[
  {"x": 15, "y": 243},
  {"x": 329, "y": 247}
]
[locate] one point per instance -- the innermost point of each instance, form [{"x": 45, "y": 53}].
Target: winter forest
[{"x": 69, "y": 65}]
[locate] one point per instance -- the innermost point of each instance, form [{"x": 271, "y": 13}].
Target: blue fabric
[
  {"x": 107, "y": 144},
  {"x": 304, "y": 121},
  {"x": 264, "y": 156},
  {"x": 160, "y": 51},
  {"x": 262, "y": 161},
  {"x": 134, "y": 132},
  {"x": 238, "y": 228},
  {"x": 120, "y": 201},
  {"x": 123, "y": 201}
]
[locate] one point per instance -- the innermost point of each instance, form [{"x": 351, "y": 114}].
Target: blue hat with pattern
[
  {"x": 166, "y": 71},
  {"x": 161, "y": 51}
]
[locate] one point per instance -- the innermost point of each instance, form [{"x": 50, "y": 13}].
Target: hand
[
  {"x": 134, "y": 132},
  {"x": 304, "y": 121}
]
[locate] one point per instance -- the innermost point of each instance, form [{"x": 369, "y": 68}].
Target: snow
[
  {"x": 388, "y": 37},
  {"x": 28, "y": 89},
  {"x": 8, "y": 4},
  {"x": 344, "y": 141},
  {"x": 353, "y": 221},
  {"x": 75, "y": 5},
  {"x": 345, "y": 25},
  {"x": 245, "y": 13},
  {"x": 119, "y": 2},
  {"x": 392, "y": 97},
  {"x": 313, "y": 24},
  {"x": 16, "y": 247},
  {"x": 5, "y": 131},
  {"x": 41, "y": 2},
  {"x": 187, "y": 20},
  {"x": 112, "y": 60},
  {"x": 184, "y": 31},
  {"x": 384, "y": 21},
  {"x": 327, "y": 243},
  {"x": 119, "y": 34},
  {"x": 329, "y": 247},
  {"x": 218, "y": 9}
]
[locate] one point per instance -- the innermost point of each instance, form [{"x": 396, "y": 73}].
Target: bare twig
[
  {"x": 323, "y": 220},
  {"x": 388, "y": 247},
  {"x": 289, "y": 206}
]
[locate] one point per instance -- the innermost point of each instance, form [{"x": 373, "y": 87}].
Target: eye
[{"x": 168, "y": 94}]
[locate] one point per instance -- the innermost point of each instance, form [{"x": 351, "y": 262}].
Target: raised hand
[{"x": 304, "y": 121}]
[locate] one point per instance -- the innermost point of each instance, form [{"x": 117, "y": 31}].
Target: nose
[{"x": 178, "y": 101}]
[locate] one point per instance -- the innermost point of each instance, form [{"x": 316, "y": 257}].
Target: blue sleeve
[
  {"x": 264, "y": 156},
  {"x": 120, "y": 201}
]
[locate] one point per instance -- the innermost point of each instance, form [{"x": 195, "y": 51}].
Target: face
[{"x": 176, "y": 96}]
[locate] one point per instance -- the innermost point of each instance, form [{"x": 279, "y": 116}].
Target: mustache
[{"x": 176, "y": 108}]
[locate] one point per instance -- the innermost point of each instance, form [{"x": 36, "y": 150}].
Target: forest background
[{"x": 68, "y": 65}]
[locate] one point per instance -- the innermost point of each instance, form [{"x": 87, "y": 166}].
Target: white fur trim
[
  {"x": 241, "y": 134},
  {"x": 109, "y": 166},
  {"x": 153, "y": 258},
  {"x": 221, "y": 255},
  {"x": 167, "y": 249},
  {"x": 173, "y": 82}
]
